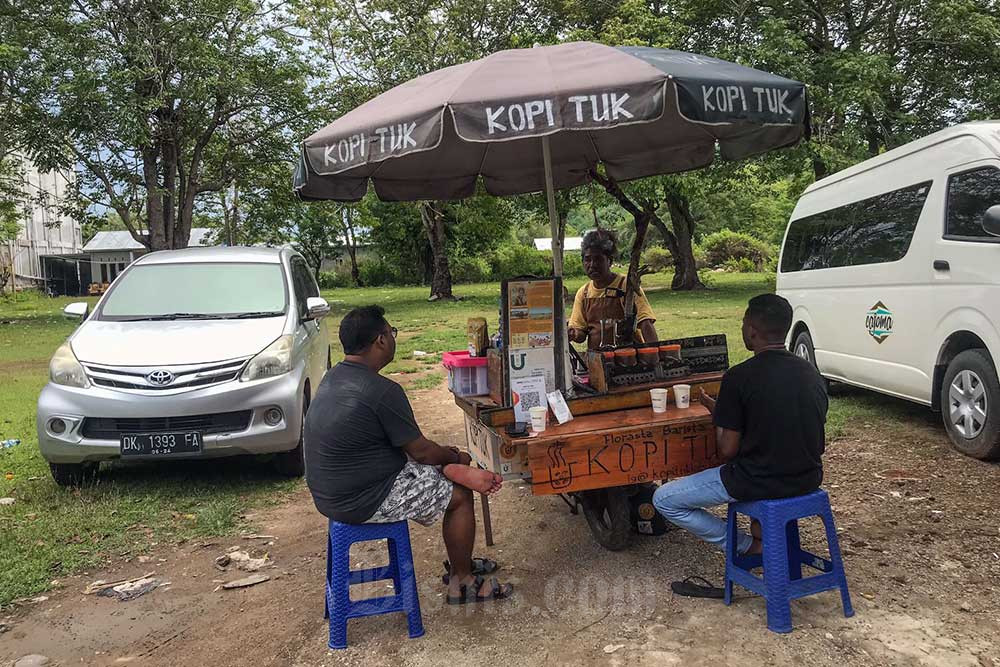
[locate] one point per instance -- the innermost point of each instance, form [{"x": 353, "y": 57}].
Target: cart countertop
[{"x": 615, "y": 420}]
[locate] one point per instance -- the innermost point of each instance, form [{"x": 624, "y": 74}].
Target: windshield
[{"x": 196, "y": 291}]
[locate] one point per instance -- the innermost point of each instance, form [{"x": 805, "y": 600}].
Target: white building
[
  {"x": 569, "y": 243},
  {"x": 108, "y": 253},
  {"x": 44, "y": 231}
]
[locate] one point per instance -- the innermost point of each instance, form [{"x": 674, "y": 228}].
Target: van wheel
[
  {"x": 293, "y": 462},
  {"x": 970, "y": 400},
  {"x": 73, "y": 474},
  {"x": 803, "y": 347}
]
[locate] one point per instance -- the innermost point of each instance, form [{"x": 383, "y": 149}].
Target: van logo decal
[{"x": 878, "y": 321}]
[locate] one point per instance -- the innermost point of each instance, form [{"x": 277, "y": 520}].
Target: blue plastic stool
[
  {"x": 340, "y": 576},
  {"x": 783, "y": 556}
]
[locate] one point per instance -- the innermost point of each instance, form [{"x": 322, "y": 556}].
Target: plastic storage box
[{"x": 466, "y": 375}]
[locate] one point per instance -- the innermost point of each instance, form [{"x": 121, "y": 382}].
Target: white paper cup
[
  {"x": 682, "y": 396},
  {"x": 538, "y": 418},
  {"x": 659, "y": 398}
]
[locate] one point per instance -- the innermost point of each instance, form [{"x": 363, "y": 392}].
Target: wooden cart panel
[{"x": 621, "y": 448}]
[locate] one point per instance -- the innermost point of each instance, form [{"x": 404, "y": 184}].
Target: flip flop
[
  {"x": 694, "y": 590},
  {"x": 468, "y": 594},
  {"x": 479, "y": 566}
]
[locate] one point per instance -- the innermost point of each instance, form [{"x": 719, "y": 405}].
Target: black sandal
[
  {"x": 469, "y": 594},
  {"x": 704, "y": 589},
  {"x": 479, "y": 566}
]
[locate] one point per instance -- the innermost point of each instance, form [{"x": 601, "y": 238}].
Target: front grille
[
  {"x": 185, "y": 377},
  {"x": 111, "y": 428}
]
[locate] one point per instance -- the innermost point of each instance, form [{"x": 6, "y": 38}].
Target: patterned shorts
[{"x": 421, "y": 493}]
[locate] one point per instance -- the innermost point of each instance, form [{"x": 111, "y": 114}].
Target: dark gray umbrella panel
[{"x": 638, "y": 111}]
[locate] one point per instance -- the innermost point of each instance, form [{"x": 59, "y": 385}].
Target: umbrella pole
[
  {"x": 550, "y": 196},
  {"x": 563, "y": 355}
]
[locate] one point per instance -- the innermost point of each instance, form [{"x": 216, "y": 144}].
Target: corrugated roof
[{"x": 122, "y": 240}]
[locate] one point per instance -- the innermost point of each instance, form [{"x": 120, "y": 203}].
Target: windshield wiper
[
  {"x": 253, "y": 314},
  {"x": 174, "y": 316}
]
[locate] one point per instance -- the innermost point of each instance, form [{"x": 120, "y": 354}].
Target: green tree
[{"x": 162, "y": 103}]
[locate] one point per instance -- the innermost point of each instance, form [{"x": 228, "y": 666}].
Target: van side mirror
[
  {"x": 317, "y": 307},
  {"x": 77, "y": 311},
  {"x": 991, "y": 220}
]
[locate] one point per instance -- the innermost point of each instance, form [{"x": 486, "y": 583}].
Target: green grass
[{"x": 49, "y": 532}]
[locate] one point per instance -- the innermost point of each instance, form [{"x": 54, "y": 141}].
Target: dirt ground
[{"x": 918, "y": 525}]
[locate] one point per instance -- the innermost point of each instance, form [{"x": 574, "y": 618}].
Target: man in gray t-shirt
[{"x": 367, "y": 461}]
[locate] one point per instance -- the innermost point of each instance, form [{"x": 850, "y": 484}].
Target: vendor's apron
[{"x": 610, "y": 308}]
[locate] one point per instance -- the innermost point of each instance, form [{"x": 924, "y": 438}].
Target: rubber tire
[
  {"x": 805, "y": 339},
  {"x": 614, "y": 534},
  {"x": 293, "y": 462},
  {"x": 985, "y": 446},
  {"x": 73, "y": 474}
]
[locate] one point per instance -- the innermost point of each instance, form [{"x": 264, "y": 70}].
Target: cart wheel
[{"x": 607, "y": 512}]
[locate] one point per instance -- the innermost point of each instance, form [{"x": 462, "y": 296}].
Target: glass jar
[
  {"x": 625, "y": 357},
  {"x": 670, "y": 351},
  {"x": 648, "y": 356}
]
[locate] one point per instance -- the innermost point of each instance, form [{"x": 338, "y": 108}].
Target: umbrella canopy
[{"x": 639, "y": 111}]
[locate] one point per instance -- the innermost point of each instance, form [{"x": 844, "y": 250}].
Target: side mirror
[
  {"x": 991, "y": 221},
  {"x": 317, "y": 307},
  {"x": 77, "y": 311}
]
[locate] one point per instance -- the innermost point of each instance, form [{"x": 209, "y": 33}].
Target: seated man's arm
[
  {"x": 430, "y": 453},
  {"x": 727, "y": 415},
  {"x": 728, "y": 442},
  {"x": 400, "y": 426}
]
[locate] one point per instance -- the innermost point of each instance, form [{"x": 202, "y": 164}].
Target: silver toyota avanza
[{"x": 196, "y": 353}]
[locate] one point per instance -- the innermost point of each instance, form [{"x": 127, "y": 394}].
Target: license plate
[{"x": 160, "y": 444}]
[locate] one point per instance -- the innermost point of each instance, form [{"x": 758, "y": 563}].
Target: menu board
[{"x": 531, "y": 314}]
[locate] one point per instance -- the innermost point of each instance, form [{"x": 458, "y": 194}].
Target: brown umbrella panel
[{"x": 638, "y": 111}]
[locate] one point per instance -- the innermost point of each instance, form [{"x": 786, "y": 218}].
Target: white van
[{"x": 892, "y": 268}]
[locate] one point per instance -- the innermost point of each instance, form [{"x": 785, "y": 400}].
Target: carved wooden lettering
[{"x": 619, "y": 457}]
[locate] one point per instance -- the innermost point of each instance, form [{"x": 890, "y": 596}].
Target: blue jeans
[{"x": 681, "y": 501}]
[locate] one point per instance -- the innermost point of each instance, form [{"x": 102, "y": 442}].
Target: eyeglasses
[{"x": 392, "y": 330}]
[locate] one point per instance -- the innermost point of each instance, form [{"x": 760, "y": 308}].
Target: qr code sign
[{"x": 530, "y": 399}]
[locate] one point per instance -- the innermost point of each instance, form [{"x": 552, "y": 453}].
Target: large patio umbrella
[{"x": 529, "y": 120}]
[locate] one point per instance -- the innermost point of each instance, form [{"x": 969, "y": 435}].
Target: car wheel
[
  {"x": 609, "y": 516},
  {"x": 73, "y": 474},
  {"x": 970, "y": 402},
  {"x": 293, "y": 462}
]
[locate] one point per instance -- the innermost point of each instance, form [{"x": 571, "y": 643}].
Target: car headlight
[
  {"x": 275, "y": 360},
  {"x": 64, "y": 368}
]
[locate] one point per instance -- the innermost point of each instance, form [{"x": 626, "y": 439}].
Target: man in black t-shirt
[
  {"x": 368, "y": 462},
  {"x": 770, "y": 419}
]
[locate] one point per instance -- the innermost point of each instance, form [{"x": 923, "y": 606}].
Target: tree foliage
[{"x": 161, "y": 103}]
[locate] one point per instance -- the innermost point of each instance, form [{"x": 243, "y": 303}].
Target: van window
[
  {"x": 969, "y": 195},
  {"x": 871, "y": 231}
]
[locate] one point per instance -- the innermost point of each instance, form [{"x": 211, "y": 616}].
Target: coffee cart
[{"x": 614, "y": 446}]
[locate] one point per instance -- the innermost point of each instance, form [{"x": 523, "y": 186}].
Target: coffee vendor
[{"x": 600, "y": 303}]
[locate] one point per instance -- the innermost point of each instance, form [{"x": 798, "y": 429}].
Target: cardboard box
[{"x": 488, "y": 450}]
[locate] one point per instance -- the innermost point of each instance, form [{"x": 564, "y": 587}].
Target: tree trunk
[
  {"x": 685, "y": 268},
  {"x": 352, "y": 251},
  {"x": 352, "y": 245},
  {"x": 433, "y": 220}
]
